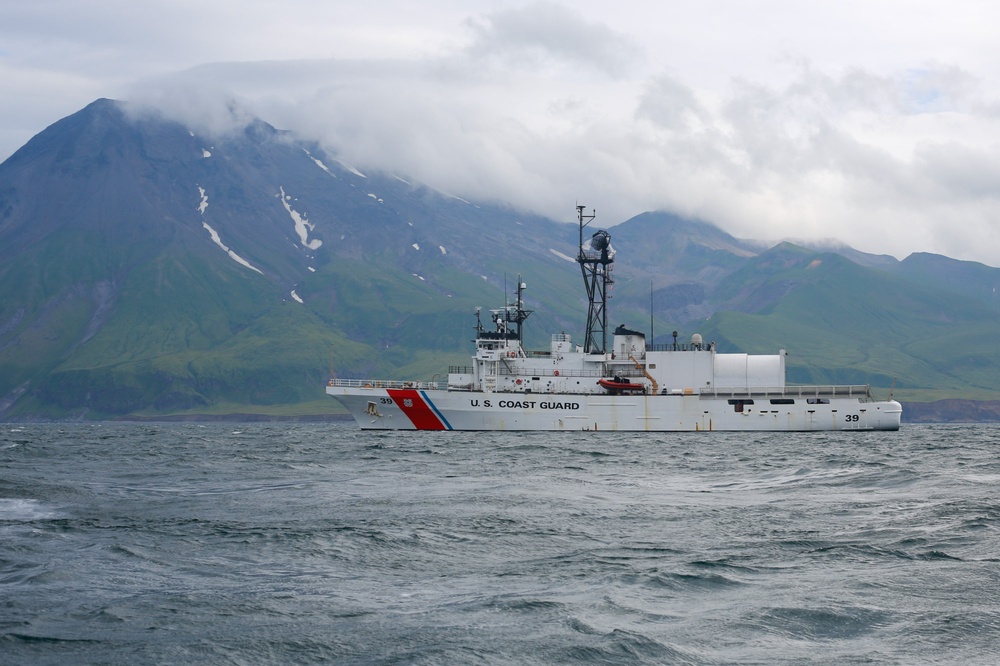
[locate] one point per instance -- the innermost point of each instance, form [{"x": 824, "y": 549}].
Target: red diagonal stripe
[{"x": 419, "y": 413}]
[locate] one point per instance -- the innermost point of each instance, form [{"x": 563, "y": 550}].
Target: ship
[{"x": 615, "y": 381}]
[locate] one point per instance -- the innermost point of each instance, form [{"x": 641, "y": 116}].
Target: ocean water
[{"x": 307, "y": 543}]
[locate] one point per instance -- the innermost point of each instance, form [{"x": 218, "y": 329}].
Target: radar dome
[
  {"x": 600, "y": 241},
  {"x": 696, "y": 339}
]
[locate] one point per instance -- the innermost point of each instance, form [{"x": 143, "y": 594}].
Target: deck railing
[
  {"x": 387, "y": 384},
  {"x": 679, "y": 346},
  {"x": 851, "y": 390},
  {"x": 518, "y": 371}
]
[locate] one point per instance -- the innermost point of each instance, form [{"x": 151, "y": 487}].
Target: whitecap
[{"x": 21, "y": 510}]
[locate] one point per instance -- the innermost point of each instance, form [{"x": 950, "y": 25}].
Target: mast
[
  {"x": 520, "y": 314},
  {"x": 511, "y": 314},
  {"x": 596, "y": 260}
]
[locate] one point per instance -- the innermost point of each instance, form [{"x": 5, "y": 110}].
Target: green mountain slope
[{"x": 845, "y": 323}]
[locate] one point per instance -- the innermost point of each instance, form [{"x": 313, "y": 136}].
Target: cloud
[
  {"x": 545, "y": 33},
  {"x": 888, "y": 163},
  {"x": 797, "y": 120},
  {"x": 203, "y": 107},
  {"x": 883, "y": 163}
]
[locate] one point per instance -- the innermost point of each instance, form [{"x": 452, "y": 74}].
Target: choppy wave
[{"x": 260, "y": 543}]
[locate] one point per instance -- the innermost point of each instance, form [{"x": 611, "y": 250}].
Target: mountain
[
  {"x": 855, "y": 324},
  {"x": 147, "y": 270}
]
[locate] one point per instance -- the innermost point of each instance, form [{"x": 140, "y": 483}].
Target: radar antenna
[{"x": 596, "y": 259}]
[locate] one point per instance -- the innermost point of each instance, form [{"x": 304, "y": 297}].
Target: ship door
[{"x": 739, "y": 406}]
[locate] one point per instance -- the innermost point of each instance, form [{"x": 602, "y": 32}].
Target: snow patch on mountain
[
  {"x": 297, "y": 297},
  {"x": 319, "y": 163},
  {"x": 452, "y": 196},
  {"x": 322, "y": 166},
  {"x": 206, "y": 153},
  {"x": 351, "y": 169},
  {"x": 375, "y": 197},
  {"x": 416, "y": 246},
  {"x": 302, "y": 226},
  {"x": 204, "y": 200},
  {"x": 235, "y": 257},
  {"x": 561, "y": 255},
  {"x": 443, "y": 251}
]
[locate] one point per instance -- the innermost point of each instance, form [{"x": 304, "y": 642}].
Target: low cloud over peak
[
  {"x": 546, "y": 34},
  {"x": 766, "y": 127}
]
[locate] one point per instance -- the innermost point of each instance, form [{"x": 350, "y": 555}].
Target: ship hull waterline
[{"x": 435, "y": 409}]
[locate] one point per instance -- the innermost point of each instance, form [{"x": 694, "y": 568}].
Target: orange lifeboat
[{"x": 618, "y": 386}]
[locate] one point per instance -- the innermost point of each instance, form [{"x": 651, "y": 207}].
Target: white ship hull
[{"x": 378, "y": 408}]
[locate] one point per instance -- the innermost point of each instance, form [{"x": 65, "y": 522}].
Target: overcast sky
[{"x": 871, "y": 122}]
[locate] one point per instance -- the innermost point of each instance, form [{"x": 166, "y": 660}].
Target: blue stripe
[{"x": 436, "y": 411}]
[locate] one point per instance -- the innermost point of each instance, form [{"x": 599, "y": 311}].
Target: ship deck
[{"x": 862, "y": 391}]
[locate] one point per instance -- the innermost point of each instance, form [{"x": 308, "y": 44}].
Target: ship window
[
  {"x": 536, "y": 379},
  {"x": 651, "y": 366},
  {"x": 818, "y": 401},
  {"x": 739, "y": 404},
  {"x": 782, "y": 401}
]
